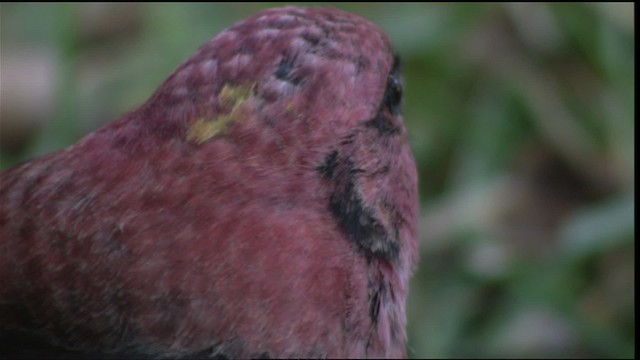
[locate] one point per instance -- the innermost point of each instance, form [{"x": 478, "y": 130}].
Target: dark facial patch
[
  {"x": 328, "y": 167},
  {"x": 354, "y": 217}
]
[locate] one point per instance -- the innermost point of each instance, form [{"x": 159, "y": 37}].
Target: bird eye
[
  {"x": 393, "y": 92},
  {"x": 393, "y": 95}
]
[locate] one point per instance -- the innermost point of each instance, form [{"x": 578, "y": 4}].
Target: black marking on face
[
  {"x": 354, "y": 217},
  {"x": 328, "y": 167}
]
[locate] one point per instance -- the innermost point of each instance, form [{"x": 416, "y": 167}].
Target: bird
[{"x": 262, "y": 203}]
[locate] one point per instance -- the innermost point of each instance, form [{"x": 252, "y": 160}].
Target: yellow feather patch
[
  {"x": 231, "y": 96},
  {"x": 234, "y": 95}
]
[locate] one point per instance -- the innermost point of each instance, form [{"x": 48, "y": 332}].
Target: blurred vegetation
[{"x": 521, "y": 117}]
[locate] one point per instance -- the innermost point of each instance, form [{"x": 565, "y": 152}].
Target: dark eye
[{"x": 393, "y": 94}]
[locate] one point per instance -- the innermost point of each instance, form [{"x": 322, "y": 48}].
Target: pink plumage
[{"x": 263, "y": 202}]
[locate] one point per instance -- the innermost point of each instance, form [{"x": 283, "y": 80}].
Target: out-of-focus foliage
[{"x": 521, "y": 117}]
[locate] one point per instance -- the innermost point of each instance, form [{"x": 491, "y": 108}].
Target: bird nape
[{"x": 262, "y": 203}]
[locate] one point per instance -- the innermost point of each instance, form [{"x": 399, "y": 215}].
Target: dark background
[{"x": 521, "y": 117}]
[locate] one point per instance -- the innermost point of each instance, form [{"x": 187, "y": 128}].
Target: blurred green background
[{"x": 521, "y": 117}]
